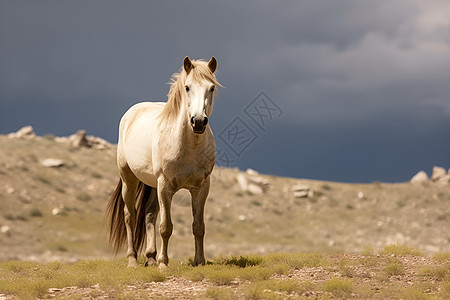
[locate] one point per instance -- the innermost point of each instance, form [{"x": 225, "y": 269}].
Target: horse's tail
[
  {"x": 116, "y": 215},
  {"x": 142, "y": 199}
]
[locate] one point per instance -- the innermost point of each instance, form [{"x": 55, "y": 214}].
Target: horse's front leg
[
  {"x": 165, "y": 193},
  {"x": 199, "y": 196}
]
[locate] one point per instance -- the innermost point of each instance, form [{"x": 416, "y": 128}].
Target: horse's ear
[
  {"x": 187, "y": 64},
  {"x": 212, "y": 64}
]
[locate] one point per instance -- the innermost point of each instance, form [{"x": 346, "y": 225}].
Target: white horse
[{"x": 162, "y": 148}]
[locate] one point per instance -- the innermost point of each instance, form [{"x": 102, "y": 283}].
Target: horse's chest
[{"x": 188, "y": 169}]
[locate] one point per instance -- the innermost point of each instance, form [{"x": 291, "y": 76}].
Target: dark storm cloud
[{"x": 363, "y": 85}]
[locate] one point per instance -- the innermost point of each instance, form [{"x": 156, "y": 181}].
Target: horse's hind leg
[
  {"x": 129, "y": 188},
  {"x": 151, "y": 213}
]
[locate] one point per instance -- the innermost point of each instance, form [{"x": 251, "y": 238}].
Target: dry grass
[
  {"x": 27, "y": 279},
  {"x": 396, "y": 249},
  {"x": 338, "y": 286},
  {"x": 245, "y": 277},
  {"x": 395, "y": 267}
]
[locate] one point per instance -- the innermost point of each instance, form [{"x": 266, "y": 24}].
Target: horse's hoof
[
  {"x": 198, "y": 262},
  {"x": 132, "y": 263},
  {"x": 151, "y": 262}
]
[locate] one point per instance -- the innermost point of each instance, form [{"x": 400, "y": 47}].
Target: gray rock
[
  {"x": 444, "y": 180},
  {"x": 98, "y": 143},
  {"x": 302, "y": 191},
  {"x": 24, "y": 132},
  {"x": 420, "y": 177},
  {"x": 254, "y": 189},
  {"x": 438, "y": 172},
  {"x": 79, "y": 139},
  {"x": 300, "y": 194},
  {"x": 56, "y": 211},
  {"x": 251, "y": 184},
  {"x": 52, "y": 163},
  {"x": 5, "y": 229},
  {"x": 252, "y": 172}
]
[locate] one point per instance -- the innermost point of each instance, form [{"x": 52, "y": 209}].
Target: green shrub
[
  {"x": 326, "y": 187},
  {"x": 338, "y": 287},
  {"x": 241, "y": 261},
  {"x": 35, "y": 212},
  {"x": 43, "y": 179},
  {"x": 83, "y": 196},
  {"x": 395, "y": 268},
  {"x": 218, "y": 293},
  {"x": 438, "y": 272},
  {"x": 9, "y": 217}
]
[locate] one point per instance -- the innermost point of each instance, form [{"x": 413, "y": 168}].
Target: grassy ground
[{"x": 397, "y": 272}]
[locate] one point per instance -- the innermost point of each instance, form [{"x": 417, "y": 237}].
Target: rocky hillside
[{"x": 53, "y": 193}]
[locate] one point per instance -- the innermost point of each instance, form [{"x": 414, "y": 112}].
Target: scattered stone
[
  {"x": 10, "y": 190},
  {"x": 5, "y": 229},
  {"x": 254, "y": 189},
  {"x": 420, "y": 177},
  {"x": 302, "y": 191},
  {"x": 360, "y": 195},
  {"x": 253, "y": 185},
  {"x": 242, "y": 218},
  {"x": 444, "y": 180},
  {"x": 52, "y": 163},
  {"x": 56, "y": 211},
  {"x": 252, "y": 172},
  {"x": 98, "y": 143},
  {"x": 24, "y": 132},
  {"x": 438, "y": 172},
  {"x": 79, "y": 139},
  {"x": 300, "y": 194}
]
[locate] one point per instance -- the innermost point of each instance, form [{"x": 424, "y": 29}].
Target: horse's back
[
  {"x": 136, "y": 133},
  {"x": 146, "y": 110}
]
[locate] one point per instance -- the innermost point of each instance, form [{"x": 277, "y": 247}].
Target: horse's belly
[
  {"x": 139, "y": 160},
  {"x": 147, "y": 178}
]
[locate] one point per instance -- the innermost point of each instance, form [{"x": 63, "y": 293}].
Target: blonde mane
[{"x": 200, "y": 72}]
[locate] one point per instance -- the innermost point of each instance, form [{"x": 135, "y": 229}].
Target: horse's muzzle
[{"x": 199, "y": 124}]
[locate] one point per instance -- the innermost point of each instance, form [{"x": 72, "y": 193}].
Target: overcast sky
[{"x": 360, "y": 90}]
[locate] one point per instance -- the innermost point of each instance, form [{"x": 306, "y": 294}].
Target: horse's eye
[
  {"x": 212, "y": 89},
  {"x": 187, "y": 88}
]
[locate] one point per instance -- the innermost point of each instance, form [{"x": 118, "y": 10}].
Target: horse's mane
[{"x": 200, "y": 71}]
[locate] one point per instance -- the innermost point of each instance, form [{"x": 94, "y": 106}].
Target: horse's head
[{"x": 199, "y": 88}]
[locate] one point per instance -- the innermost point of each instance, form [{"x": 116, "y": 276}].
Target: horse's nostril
[
  {"x": 205, "y": 121},
  {"x": 192, "y": 120}
]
